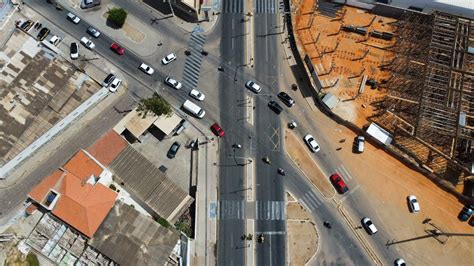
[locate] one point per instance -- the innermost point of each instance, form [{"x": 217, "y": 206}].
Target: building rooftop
[
  {"x": 107, "y": 147},
  {"x": 131, "y": 238},
  {"x": 75, "y": 197}
]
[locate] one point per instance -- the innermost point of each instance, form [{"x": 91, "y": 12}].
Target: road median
[{"x": 299, "y": 155}]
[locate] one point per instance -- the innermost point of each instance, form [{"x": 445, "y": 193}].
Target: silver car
[{"x": 173, "y": 83}]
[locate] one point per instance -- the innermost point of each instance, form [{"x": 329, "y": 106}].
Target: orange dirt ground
[{"x": 338, "y": 56}]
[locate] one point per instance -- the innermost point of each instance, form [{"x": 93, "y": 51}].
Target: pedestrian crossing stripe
[
  {"x": 265, "y": 6},
  {"x": 233, "y": 6},
  {"x": 344, "y": 173}
]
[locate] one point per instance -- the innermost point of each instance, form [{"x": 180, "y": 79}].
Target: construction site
[{"x": 409, "y": 72}]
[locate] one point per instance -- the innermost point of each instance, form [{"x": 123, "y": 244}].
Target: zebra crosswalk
[
  {"x": 266, "y": 6},
  {"x": 270, "y": 210},
  {"x": 192, "y": 66},
  {"x": 310, "y": 201},
  {"x": 344, "y": 173},
  {"x": 233, "y": 6},
  {"x": 258, "y": 210}
]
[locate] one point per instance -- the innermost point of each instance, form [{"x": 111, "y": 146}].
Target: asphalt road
[
  {"x": 270, "y": 186},
  {"x": 231, "y": 249}
]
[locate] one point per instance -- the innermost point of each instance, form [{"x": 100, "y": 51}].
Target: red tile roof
[
  {"x": 83, "y": 166},
  {"x": 81, "y": 205},
  {"x": 109, "y": 146}
]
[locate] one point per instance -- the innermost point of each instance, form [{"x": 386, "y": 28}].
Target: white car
[
  {"x": 173, "y": 83},
  {"x": 54, "y": 40},
  {"x": 311, "y": 142},
  {"x": 197, "y": 95},
  {"x": 369, "y": 226},
  {"x": 146, "y": 68},
  {"x": 413, "y": 203},
  {"x": 87, "y": 43},
  {"x": 168, "y": 59},
  {"x": 400, "y": 262},
  {"x": 75, "y": 19},
  {"x": 251, "y": 85},
  {"x": 115, "y": 84}
]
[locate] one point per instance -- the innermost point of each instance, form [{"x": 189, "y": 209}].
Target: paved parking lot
[{"x": 178, "y": 168}]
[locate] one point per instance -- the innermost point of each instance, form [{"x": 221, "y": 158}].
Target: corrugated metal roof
[{"x": 145, "y": 181}]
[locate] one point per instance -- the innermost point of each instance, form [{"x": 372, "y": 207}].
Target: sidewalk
[
  {"x": 204, "y": 245},
  {"x": 144, "y": 28}
]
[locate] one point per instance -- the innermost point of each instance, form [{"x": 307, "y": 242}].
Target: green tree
[
  {"x": 117, "y": 16},
  {"x": 32, "y": 259},
  {"x": 156, "y": 104}
]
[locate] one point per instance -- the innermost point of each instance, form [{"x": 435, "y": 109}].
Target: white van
[
  {"x": 193, "y": 109},
  {"x": 360, "y": 144}
]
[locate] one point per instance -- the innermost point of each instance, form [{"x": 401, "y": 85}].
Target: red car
[
  {"x": 339, "y": 183},
  {"x": 116, "y": 48},
  {"x": 217, "y": 130}
]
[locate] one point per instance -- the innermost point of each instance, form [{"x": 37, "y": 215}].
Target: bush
[
  {"x": 163, "y": 222},
  {"x": 112, "y": 186},
  {"x": 32, "y": 260},
  {"x": 117, "y": 16}
]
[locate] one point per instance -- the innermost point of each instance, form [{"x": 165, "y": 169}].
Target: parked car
[
  {"x": 115, "y": 85},
  {"x": 471, "y": 221},
  {"x": 168, "y": 59},
  {"x": 92, "y": 31},
  {"x": 251, "y": 85},
  {"x": 117, "y": 48},
  {"x": 173, "y": 150},
  {"x": 73, "y": 18},
  {"x": 338, "y": 183},
  {"x": 197, "y": 95},
  {"x": 146, "y": 68},
  {"x": 54, "y": 40},
  {"x": 360, "y": 143},
  {"x": 43, "y": 33},
  {"x": 173, "y": 83},
  {"x": 286, "y": 99},
  {"x": 182, "y": 126},
  {"x": 74, "y": 50},
  {"x": 311, "y": 142},
  {"x": 26, "y": 25},
  {"x": 413, "y": 203},
  {"x": 400, "y": 262},
  {"x": 108, "y": 80},
  {"x": 275, "y": 107},
  {"x": 466, "y": 213},
  {"x": 369, "y": 226},
  {"x": 87, "y": 43},
  {"x": 216, "y": 129}
]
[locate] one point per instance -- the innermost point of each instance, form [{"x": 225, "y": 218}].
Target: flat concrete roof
[
  {"x": 131, "y": 238},
  {"x": 167, "y": 124}
]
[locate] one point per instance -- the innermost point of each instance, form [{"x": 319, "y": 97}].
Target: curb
[{"x": 367, "y": 247}]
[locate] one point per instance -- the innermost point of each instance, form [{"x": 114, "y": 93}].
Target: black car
[
  {"x": 275, "y": 107},
  {"x": 26, "y": 25},
  {"x": 466, "y": 213},
  {"x": 43, "y": 34},
  {"x": 286, "y": 99},
  {"x": 108, "y": 80},
  {"x": 173, "y": 150}
]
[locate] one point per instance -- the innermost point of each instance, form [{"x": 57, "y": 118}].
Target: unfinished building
[{"x": 428, "y": 108}]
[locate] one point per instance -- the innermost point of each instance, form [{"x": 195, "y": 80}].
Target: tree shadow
[{"x": 112, "y": 25}]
